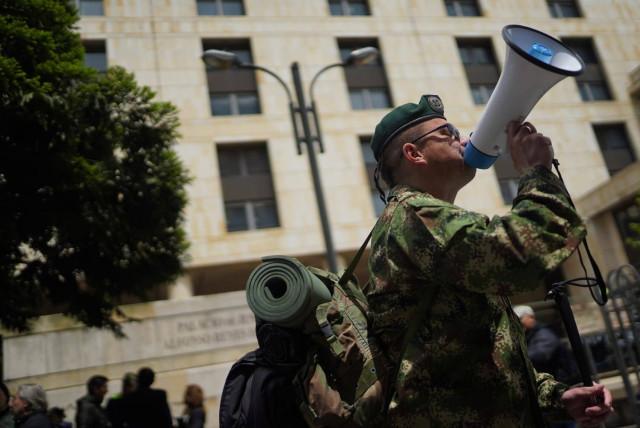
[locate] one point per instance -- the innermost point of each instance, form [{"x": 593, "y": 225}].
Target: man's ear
[{"x": 412, "y": 154}]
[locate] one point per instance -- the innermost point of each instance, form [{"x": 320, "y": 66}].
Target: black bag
[{"x": 263, "y": 377}]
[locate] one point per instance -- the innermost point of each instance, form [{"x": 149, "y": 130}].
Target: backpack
[
  {"x": 341, "y": 382},
  {"x": 338, "y": 374},
  {"x": 262, "y": 378}
]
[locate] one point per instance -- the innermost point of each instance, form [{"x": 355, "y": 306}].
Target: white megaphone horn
[{"x": 534, "y": 63}]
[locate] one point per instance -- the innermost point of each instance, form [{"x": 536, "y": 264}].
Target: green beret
[{"x": 401, "y": 118}]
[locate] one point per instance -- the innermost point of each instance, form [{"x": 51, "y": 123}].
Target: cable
[{"x": 591, "y": 282}]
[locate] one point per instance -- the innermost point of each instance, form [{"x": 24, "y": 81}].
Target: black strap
[
  {"x": 596, "y": 269},
  {"x": 247, "y": 397},
  {"x": 343, "y": 282},
  {"x": 348, "y": 273}
]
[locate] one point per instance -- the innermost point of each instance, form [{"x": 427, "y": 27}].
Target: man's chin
[{"x": 469, "y": 173}]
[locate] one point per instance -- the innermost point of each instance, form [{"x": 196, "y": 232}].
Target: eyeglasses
[{"x": 452, "y": 131}]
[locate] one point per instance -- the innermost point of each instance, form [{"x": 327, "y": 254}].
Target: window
[
  {"x": 95, "y": 54},
  {"x": 349, "y": 7},
  {"x": 563, "y": 8},
  {"x": 626, "y": 216},
  {"x": 462, "y": 7},
  {"x": 232, "y": 91},
  {"x": 508, "y": 177},
  {"x": 592, "y": 83},
  {"x": 90, "y": 7},
  {"x": 249, "y": 200},
  {"x": 370, "y": 163},
  {"x": 220, "y": 7},
  {"x": 614, "y": 144},
  {"x": 367, "y": 83},
  {"x": 480, "y": 67}
]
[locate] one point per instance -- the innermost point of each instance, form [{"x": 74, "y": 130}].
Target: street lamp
[{"x": 224, "y": 59}]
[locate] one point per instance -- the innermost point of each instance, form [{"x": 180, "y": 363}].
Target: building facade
[{"x": 252, "y": 192}]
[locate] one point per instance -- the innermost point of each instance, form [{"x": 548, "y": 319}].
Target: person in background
[
  {"x": 194, "y": 414},
  {"x": 545, "y": 349},
  {"x": 6, "y": 418},
  {"x": 117, "y": 406},
  {"x": 29, "y": 407},
  {"x": 148, "y": 407},
  {"x": 56, "y": 417},
  {"x": 89, "y": 411},
  {"x": 547, "y": 352}
]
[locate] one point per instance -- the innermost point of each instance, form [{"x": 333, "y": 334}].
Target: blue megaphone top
[{"x": 541, "y": 52}]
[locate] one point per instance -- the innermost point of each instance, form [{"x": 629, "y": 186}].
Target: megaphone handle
[{"x": 562, "y": 302}]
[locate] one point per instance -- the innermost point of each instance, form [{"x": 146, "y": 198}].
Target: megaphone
[{"x": 534, "y": 63}]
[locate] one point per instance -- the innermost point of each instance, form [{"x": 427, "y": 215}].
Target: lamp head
[
  {"x": 362, "y": 56},
  {"x": 220, "y": 59}
]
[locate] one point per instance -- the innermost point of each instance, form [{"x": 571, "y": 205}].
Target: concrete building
[{"x": 252, "y": 193}]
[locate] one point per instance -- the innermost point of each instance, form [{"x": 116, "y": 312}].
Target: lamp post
[{"x": 219, "y": 58}]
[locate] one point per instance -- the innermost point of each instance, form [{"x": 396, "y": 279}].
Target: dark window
[
  {"x": 508, "y": 177},
  {"x": 626, "y": 217},
  {"x": 563, "y": 8},
  {"x": 615, "y": 146},
  {"x": 592, "y": 83},
  {"x": 370, "y": 163},
  {"x": 349, "y": 7},
  {"x": 480, "y": 67},
  {"x": 367, "y": 83},
  {"x": 220, "y": 7},
  {"x": 462, "y": 7},
  {"x": 95, "y": 54},
  {"x": 232, "y": 91},
  {"x": 90, "y": 7},
  {"x": 249, "y": 199}
]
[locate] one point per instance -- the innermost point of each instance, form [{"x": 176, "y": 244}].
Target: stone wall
[{"x": 187, "y": 341}]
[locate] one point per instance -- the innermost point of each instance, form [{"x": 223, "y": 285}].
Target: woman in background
[{"x": 194, "y": 414}]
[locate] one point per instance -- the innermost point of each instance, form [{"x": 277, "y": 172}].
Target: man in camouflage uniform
[{"x": 465, "y": 363}]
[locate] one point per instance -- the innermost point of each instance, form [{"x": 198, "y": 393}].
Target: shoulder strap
[
  {"x": 343, "y": 282},
  {"x": 346, "y": 275}
]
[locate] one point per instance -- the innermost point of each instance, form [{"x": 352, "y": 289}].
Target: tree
[
  {"x": 633, "y": 240},
  {"x": 91, "y": 192}
]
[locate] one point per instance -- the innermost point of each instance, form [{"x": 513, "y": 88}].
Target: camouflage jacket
[{"x": 466, "y": 366}]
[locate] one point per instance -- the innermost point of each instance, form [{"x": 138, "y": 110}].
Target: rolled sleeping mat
[{"x": 283, "y": 291}]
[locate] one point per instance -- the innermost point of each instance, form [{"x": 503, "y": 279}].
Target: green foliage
[
  {"x": 634, "y": 227},
  {"x": 91, "y": 192}
]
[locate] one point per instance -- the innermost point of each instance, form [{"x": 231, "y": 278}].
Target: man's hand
[
  {"x": 528, "y": 147},
  {"x": 588, "y": 405}
]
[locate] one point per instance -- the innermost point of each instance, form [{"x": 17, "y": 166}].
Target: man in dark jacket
[
  {"x": 29, "y": 407},
  {"x": 148, "y": 407},
  {"x": 89, "y": 412},
  {"x": 545, "y": 349},
  {"x": 117, "y": 406},
  {"x": 6, "y": 418}
]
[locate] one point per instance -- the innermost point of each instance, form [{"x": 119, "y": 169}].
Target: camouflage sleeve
[
  {"x": 549, "y": 393},
  {"x": 509, "y": 253}
]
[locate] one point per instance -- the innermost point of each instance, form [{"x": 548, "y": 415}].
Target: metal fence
[{"x": 616, "y": 351}]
